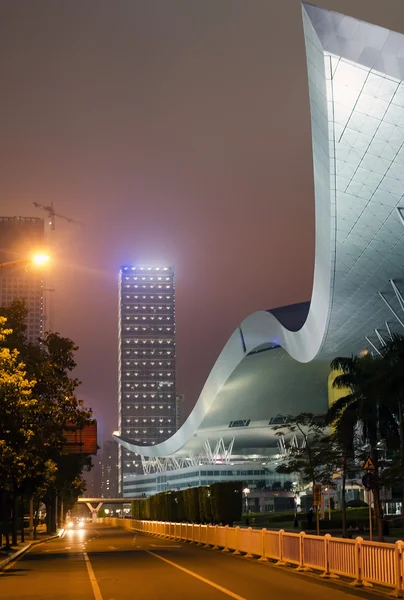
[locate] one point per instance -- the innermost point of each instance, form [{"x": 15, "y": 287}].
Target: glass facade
[
  {"x": 20, "y": 238},
  {"x": 251, "y": 474},
  {"x": 147, "y": 408}
]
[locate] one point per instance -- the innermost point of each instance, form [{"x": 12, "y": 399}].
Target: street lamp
[
  {"x": 40, "y": 259},
  {"x": 246, "y": 491},
  {"x": 37, "y": 260}
]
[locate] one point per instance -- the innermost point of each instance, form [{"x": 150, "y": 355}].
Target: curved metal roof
[{"x": 269, "y": 365}]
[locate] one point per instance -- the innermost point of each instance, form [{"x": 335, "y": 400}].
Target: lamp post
[
  {"x": 37, "y": 259},
  {"x": 246, "y": 491}
]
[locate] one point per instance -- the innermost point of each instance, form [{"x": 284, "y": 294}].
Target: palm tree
[
  {"x": 393, "y": 381},
  {"x": 362, "y": 407},
  {"x": 342, "y": 444}
]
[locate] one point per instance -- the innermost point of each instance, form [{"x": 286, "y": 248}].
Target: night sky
[{"x": 178, "y": 132}]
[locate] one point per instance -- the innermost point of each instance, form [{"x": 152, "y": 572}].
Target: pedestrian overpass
[{"x": 98, "y": 502}]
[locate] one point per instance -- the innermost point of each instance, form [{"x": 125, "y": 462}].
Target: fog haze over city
[{"x": 179, "y": 134}]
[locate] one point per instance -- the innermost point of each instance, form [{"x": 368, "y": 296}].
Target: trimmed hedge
[{"x": 220, "y": 502}]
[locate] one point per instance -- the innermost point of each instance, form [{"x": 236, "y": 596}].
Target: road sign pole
[
  {"x": 329, "y": 504},
  {"x": 370, "y": 515},
  {"x": 317, "y": 503}
]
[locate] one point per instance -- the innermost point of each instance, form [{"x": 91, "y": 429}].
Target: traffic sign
[
  {"x": 369, "y": 465},
  {"x": 317, "y": 495}
]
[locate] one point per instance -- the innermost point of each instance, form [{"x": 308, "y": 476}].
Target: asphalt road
[{"x": 104, "y": 563}]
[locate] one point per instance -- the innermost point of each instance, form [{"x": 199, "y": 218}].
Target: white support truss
[
  {"x": 400, "y": 212},
  {"x": 373, "y": 346},
  {"x": 398, "y": 294},
  {"x": 387, "y": 303},
  {"x": 389, "y": 330},
  {"x": 218, "y": 454},
  {"x": 285, "y": 447},
  {"x": 380, "y": 337}
]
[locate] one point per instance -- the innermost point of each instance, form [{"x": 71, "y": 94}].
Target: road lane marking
[
  {"x": 93, "y": 579},
  {"x": 158, "y": 546},
  {"x": 207, "y": 581}
]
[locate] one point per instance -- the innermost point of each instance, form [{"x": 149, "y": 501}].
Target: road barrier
[{"x": 365, "y": 562}]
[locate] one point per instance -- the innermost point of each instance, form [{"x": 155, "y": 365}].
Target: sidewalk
[{"x": 22, "y": 547}]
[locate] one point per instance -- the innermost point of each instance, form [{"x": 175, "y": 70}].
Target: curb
[{"x": 17, "y": 555}]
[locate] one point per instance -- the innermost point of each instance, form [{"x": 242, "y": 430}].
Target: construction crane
[{"x": 52, "y": 214}]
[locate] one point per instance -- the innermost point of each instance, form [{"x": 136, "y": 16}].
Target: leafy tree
[
  {"x": 287, "y": 486},
  {"x": 48, "y": 365},
  {"x": 311, "y": 455},
  {"x": 17, "y": 435}
]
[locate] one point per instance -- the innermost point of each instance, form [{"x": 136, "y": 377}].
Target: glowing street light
[
  {"x": 40, "y": 259},
  {"x": 37, "y": 260}
]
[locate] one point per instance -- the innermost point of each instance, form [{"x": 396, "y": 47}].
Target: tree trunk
[
  {"x": 343, "y": 503},
  {"x": 378, "y": 513},
  {"x": 14, "y": 520},
  {"x": 36, "y": 517},
  {"x": 1, "y": 518},
  {"x": 61, "y": 509},
  {"x": 50, "y": 515},
  {"x": 22, "y": 518},
  {"x": 376, "y": 497},
  {"x": 31, "y": 518},
  {"x": 6, "y": 520}
]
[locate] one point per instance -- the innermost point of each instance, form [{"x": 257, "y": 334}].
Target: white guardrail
[{"x": 363, "y": 561}]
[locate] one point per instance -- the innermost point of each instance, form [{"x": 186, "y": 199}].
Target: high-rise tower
[
  {"x": 20, "y": 238},
  {"x": 146, "y": 361}
]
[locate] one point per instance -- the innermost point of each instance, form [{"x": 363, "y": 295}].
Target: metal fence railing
[{"x": 363, "y": 561}]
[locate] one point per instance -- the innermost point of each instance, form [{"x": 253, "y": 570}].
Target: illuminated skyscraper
[
  {"x": 147, "y": 408},
  {"x": 20, "y": 237},
  {"x": 179, "y": 410},
  {"x": 109, "y": 469}
]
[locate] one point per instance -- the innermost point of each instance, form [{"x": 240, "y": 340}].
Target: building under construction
[{"x": 20, "y": 237}]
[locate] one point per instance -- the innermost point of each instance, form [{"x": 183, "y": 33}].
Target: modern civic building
[
  {"x": 274, "y": 365},
  {"x": 20, "y": 238},
  {"x": 147, "y": 408}
]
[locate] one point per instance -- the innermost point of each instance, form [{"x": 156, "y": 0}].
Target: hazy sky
[{"x": 178, "y": 131}]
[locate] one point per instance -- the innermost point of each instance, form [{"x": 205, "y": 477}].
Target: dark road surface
[{"x": 103, "y": 563}]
